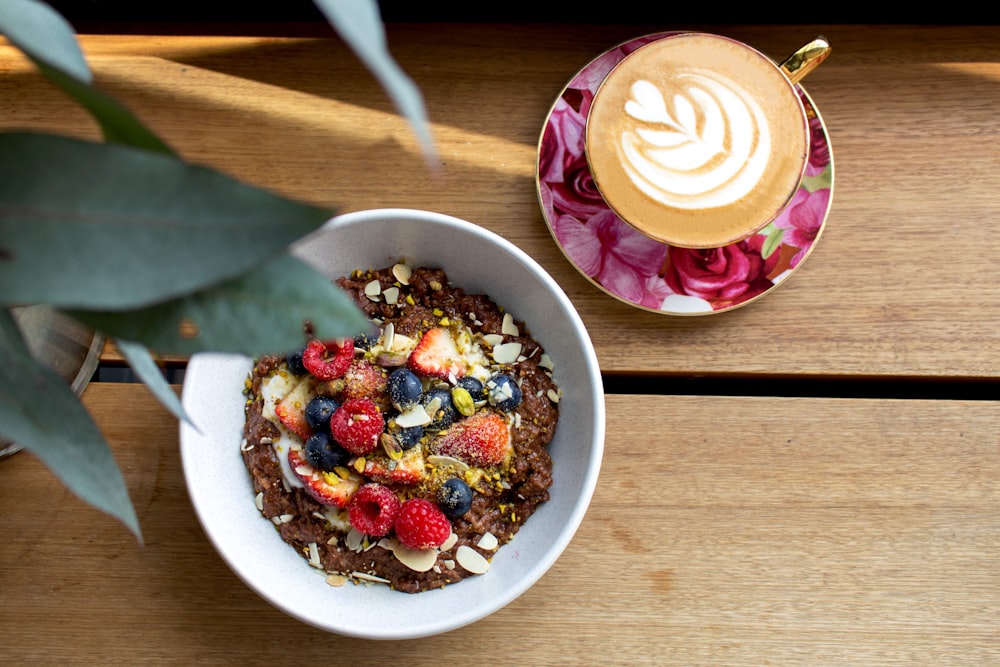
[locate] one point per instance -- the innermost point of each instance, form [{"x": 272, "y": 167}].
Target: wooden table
[{"x": 812, "y": 479}]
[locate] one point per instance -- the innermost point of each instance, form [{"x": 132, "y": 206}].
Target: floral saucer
[{"x": 649, "y": 274}]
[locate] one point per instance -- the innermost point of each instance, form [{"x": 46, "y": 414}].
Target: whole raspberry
[
  {"x": 421, "y": 525},
  {"x": 373, "y": 510},
  {"x": 356, "y": 425},
  {"x": 328, "y": 360}
]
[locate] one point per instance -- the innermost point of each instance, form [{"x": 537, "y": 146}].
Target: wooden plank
[
  {"x": 723, "y": 531},
  {"x": 901, "y": 283}
]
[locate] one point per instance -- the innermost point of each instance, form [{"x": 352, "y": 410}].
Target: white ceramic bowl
[{"x": 220, "y": 487}]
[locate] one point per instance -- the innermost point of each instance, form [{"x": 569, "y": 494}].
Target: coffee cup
[{"x": 699, "y": 140}]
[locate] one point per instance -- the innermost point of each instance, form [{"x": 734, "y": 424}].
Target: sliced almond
[
  {"x": 508, "y": 327},
  {"x": 506, "y": 353},
  {"x": 373, "y": 290},
  {"x": 354, "y": 540},
  {"x": 336, "y": 580},
  {"x": 442, "y": 461},
  {"x": 388, "y": 336},
  {"x": 402, "y": 273},
  {"x": 391, "y": 295},
  {"x": 449, "y": 543},
  {"x": 493, "y": 339},
  {"x": 545, "y": 361},
  {"x": 314, "y": 555},
  {"x": 488, "y": 541},
  {"x": 471, "y": 560},
  {"x": 418, "y": 560},
  {"x": 415, "y": 416}
]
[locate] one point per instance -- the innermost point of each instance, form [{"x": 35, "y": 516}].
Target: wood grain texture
[
  {"x": 736, "y": 531},
  {"x": 902, "y": 283}
]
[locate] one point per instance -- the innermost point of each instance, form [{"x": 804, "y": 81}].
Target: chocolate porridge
[{"x": 407, "y": 456}]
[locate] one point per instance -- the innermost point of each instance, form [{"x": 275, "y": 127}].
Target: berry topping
[
  {"x": 473, "y": 385},
  {"x": 362, "y": 379},
  {"x": 408, "y": 469},
  {"x": 294, "y": 361},
  {"x": 503, "y": 392},
  {"x": 405, "y": 389},
  {"x": 454, "y": 497},
  {"x": 373, "y": 510},
  {"x": 406, "y": 436},
  {"x": 318, "y": 413},
  {"x": 323, "y": 453},
  {"x": 356, "y": 425},
  {"x": 437, "y": 403},
  {"x": 436, "y": 356},
  {"x": 421, "y": 525},
  {"x": 328, "y": 360},
  {"x": 291, "y": 410},
  {"x": 325, "y": 487},
  {"x": 480, "y": 440},
  {"x": 365, "y": 341}
]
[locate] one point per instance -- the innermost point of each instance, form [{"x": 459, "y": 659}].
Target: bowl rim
[{"x": 560, "y": 539}]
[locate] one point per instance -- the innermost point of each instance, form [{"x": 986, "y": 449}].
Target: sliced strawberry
[
  {"x": 327, "y": 488},
  {"x": 363, "y": 380},
  {"x": 436, "y": 356},
  {"x": 291, "y": 410},
  {"x": 407, "y": 470},
  {"x": 480, "y": 440}
]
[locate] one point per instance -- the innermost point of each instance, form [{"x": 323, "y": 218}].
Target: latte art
[
  {"x": 709, "y": 148},
  {"x": 696, "y": 140}
]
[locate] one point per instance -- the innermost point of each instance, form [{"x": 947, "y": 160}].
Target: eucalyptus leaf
[
  {"x": 101, "y": 226},
  {"x": 144, "y": 366},
  {"x": 39, "y": 411},
  {"x": 48, "y": 41},
  {"x": 359, "y": 24},
  {"x": 117, "y": 123},
  {"x": 44, "y": 36},
  {"x": 259, "y": 313}
]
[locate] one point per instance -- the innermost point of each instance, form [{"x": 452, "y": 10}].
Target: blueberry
[
  {"x": 318, "y": 413},
  {"x": 404, "y": 389},
  {"x": 294, "y": 361},
  {"x": 474, "y": 387},
  {"x": 503, "y": 392},
  {"x": 407, "y": 437},
  {"x": 454, "y": 497},
  {"x": 442, "y": 411},
  {"x": 365, "y": 341},
  {"x": 324, "y": 453}
]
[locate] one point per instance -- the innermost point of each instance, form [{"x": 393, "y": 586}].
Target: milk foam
[
  {"x": 709, "y": 148},
  {"x": 696, "y": 140}
]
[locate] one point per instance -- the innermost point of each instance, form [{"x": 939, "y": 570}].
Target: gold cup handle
[{"x": 806, "y": 59}]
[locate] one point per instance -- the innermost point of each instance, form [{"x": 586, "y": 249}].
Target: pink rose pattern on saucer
[{"x": 647, "y": 273}]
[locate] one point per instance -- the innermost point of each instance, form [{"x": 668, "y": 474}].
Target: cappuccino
[{"x": 697, "y": 140}]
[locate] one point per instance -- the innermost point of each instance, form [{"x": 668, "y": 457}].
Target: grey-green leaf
[
  {"x": 360, "y": 25},
  {"x": 145, "y": 368},
  {"x": 44, "y": 36},
  {"x": 48, "y": 40},
  {"x": 39, "y": 411},
  {"x": 101, "y": 226},
  {"x": 117, "y": 123},
  {"x": 259, "y": 313}
]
